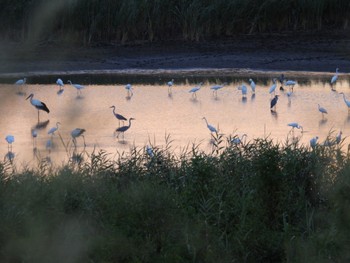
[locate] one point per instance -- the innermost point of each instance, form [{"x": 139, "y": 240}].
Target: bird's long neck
[
  {"x": 114, "y": 111},
  {"x": 205, "y": 120},
  {"x": 129, "y": 123}
]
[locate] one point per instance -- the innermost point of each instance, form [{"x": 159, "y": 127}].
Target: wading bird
[
  {"x": 347, "y": 102},
  {"x": 243, "y": 89},
  {"x": 123, "y": 128},
  {"x": 238, "y": 140},
  {"x": 10, "y": 139},
  {"x": 290, "y": 84},
  {"x": 210, "y": 127},
  {"x": 334, "y": 78},
  {"x": 60, "y": 83},
  {"x": 21, "y": 81},
  {"x": 118, "y": 116},
  {"x": 149, "y": 151},
  {"x": 313, "y": 141},
  {"x": 39, "y": 105},
  {"x": 273, "y": 103},
  {"x": 215, "y": 88},
  {"x": 195, "y": 89},
  {"x": 128, "y": 87},
  {"x": 322, "y": 110},
  {"x": 295, "y": 125},
  {"x": 170, "y": 85},
  {"x": 273, "y": 87},
  {"x": 54, "y": 129},
  {"x": 77, "y": 86},
  {"x": 252, "y": 85},
  {"x": 77, "y": 132}
]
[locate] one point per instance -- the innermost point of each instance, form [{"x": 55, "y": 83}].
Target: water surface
[{"x": 159, "y": 114}]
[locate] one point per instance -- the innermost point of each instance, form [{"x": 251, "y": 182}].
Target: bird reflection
[
  {"x": 322, "y": 122},
  {"x": 9, "y": 156},
  {"x": 253, "y": 96},
  {"x": 244, "y": 99},
  {"x": 274, "y": 114},
  {"x": 60, "y": 91},
  {"x": 41, "y": 125}
]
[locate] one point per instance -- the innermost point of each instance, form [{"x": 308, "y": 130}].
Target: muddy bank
[{"x": 243, "y": 54}]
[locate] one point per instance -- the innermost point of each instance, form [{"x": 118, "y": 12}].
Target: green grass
[
  {"x": 90, "y": 21},
  {"x": 254, "y": 202}
]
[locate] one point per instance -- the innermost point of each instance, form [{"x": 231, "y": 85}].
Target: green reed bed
[
  {"x": 259, "y": 201},
  {"x": 88, "y": 21}
]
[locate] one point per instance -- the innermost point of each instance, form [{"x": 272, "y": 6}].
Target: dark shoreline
[{"x": 260, "y": 55}]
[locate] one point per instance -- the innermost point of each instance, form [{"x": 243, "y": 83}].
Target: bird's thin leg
[{"x": 84, "y": 141}]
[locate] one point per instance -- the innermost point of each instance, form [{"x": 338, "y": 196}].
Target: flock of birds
[{"x": 285, "y": 84}]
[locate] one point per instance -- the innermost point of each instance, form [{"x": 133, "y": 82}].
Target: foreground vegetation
[
  {"x": 256, "y": 202},
  {"x": 87, "y": 21}
]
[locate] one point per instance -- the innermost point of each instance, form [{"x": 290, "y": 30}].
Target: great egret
[
  {"x": 313, "y": 141},
  {"x": 322, "y": 110},
  {"x": 347, "y": 102},
  {"x": 39, "y": 105},
  {"x": 195, "y": 89},
  {"x": 273, "y": 87},
  {"x": 128, "y": 87},
  {"x": 123, "y": 128},
  {"x": 77, "y": 132},
  {"x": 21, "y": 81},
  {"x": 243, "y": 89},
  {"x": 10, "y": 139},
  {"x": 60, "y": 83},
  {"x": 334, "y": 78},
  {"x": 77, "y": 86},
  {"x": 53, "y": 129},
  {"x": 238, "y": 140},
  {"x": 290, "y": 84},
  {"x": 215, "y": 88},
  {"x": 118, "y": 116},
  {"x": 295, "y": 125},
  {"x": 274, "y": 102},
  {"x": 210, "y": 127},
  {"x": 170, "y": 85},
  {"x": 252, "y": 85}
]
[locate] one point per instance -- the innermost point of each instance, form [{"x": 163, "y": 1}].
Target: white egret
[
  {"x": 290, "y": 84},
  {"x": 39, "y": 105},
  {"x": 10, "y": 139},
  {"x": 77, "y": 86},
  {"x": 195, "y": 89},
  {"x": 124, "y": 128},
  {"x": 322, "y": 110},
  {"x": 77, "y": 132},
  {"x": 335, "y": 77},
  {"x": 210, "y": 127},
  {"x": 252, "y": 85},
  {"x": 60, "y": 83},
  {"x": 215, "y": 88},
  {"x": 118, "y": 116},
  {"x": 295, "y": 125},
  {"x": 273, "y": 102},
  {"x": 170, "y": 85},
  {"x": 244, "y": 90},
  {"x": 347, "y": 102},
  {"x": 54, "y": 129},
  {"x": 273, "y": 87},
  {"x": 238, "y": 140},
  {"x": 21, "y": 81},
  {"x": 128, "y": 87},
  {"x": 313, "y": 141}
]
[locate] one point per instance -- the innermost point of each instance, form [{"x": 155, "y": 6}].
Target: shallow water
[{"x": 159, "y": 114}]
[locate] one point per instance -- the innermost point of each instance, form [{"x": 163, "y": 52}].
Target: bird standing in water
[
  {"x": 273, "y": 103},
  {"x": 39, "y": 105},
  {"x": 123, "y": 128},
  {"x": 76, "y": 133},
  {"x": 118, "y": 116}
]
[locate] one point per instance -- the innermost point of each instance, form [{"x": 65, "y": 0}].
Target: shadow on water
[
  {"x": 41, "y": 125},
  {"x": 244, "y": 99},
  {"x": 322, "y": 122}
]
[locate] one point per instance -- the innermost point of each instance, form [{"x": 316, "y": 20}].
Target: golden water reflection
[{"x": 160, "y": 115}]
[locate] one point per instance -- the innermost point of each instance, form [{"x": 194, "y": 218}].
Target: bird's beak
[{"x": 28, "y": 97}]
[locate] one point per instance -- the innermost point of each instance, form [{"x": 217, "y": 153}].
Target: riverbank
[{"x": 247, "y": 53}]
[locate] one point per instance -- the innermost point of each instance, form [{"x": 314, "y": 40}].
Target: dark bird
[
  {"x": 274, "y": 102},
  {"x": 124, "y": 128},
  {"x": 118, "y": 116},
  {"x": 39, "y": 105}
]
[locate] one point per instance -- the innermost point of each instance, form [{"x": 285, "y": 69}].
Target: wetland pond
[{"x": 161, "y": 116}]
